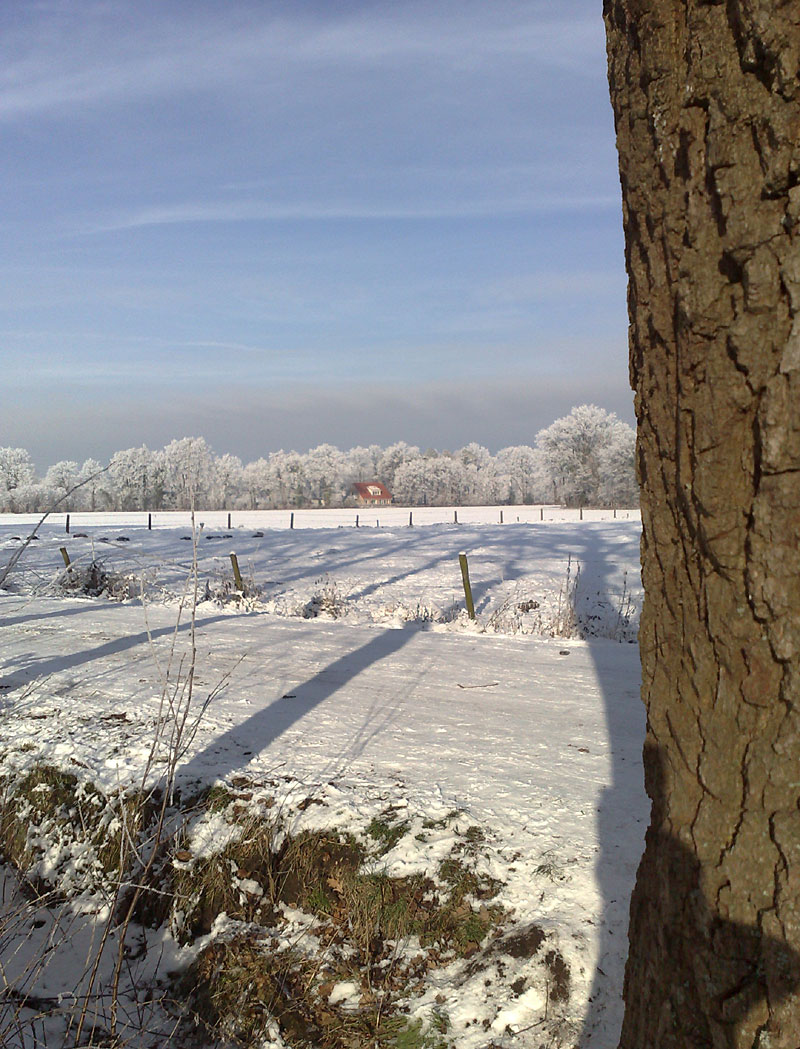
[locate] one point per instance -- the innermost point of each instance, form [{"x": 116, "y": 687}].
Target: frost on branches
[{"x": 585, "y": 458}]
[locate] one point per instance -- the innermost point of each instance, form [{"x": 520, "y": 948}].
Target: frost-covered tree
[
  {"x": 188, "y": 472},
  {"x": 617, "y": 461},
  {"x": 288, "y": 482},
  {"x": 32, "y": 498},
  {"x": 256, "y": 484},
  {"x": 228, "y": 482},
  {"x": 96, "y": 491},
  {"x": 61, "y": 478},
  {"x": 324, "y": 469},
  {"x": 477, "y": 473},
  {"x": 393, "y": 457},
  {"x": 411, "y": 483},
  {"x": 16, "y": 472},
  {"x": 137, "y": 475},
  {"x": 429, "y": 481},
  {"x": 16, "y": 468},
  {"x": 520, "y": 476},
  {"x": 573, "y": 449},
  {"x": 362, "y": 464}
]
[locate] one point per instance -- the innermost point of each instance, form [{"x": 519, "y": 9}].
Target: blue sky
[{"x": 280, "y": 223}]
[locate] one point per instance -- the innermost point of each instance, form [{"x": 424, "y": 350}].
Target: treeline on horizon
[{"x": 585, "y": 458}]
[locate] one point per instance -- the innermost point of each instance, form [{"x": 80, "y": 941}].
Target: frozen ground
[
  {"x": 527, "y": 576},
  {"x": 383, "y": 516},
  {"x": 350, "y": 674}
]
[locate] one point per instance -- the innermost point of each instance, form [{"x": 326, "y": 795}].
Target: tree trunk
[{"x": 707, "y": 108}]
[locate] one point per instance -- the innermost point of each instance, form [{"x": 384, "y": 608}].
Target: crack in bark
[{"x": 707, "y": 156}]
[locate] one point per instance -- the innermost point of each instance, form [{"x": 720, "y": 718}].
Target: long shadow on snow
[
  {"x": 621, "y": 817},
  {"x": 87, "y": 606},
  {"x": 621, "y": 809},
  {"x": 512, "y": 568},
  {"x": 232, "y": 750},
  {"x": 619, "y": 830},
  {"x": 286, "y": 549},
  {"x": 516, "y": 557},
  {"x": 496, "y": 545},
  {"x": 35, "y": 667}
]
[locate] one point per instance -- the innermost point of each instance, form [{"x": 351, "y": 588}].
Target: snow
[
  {"x": 347, "y": 991},
  {"x": 350, "y": 675},
  {"x": 368, "y": 517}
]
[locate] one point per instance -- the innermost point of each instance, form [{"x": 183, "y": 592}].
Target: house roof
[{"x": 371, "y": 490}]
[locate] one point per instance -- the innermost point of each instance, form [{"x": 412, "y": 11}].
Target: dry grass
[{"x": 302, "y": 913}]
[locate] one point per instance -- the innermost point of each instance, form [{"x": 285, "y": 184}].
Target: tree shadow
[
  {"x": 232, "y": 750},
  {"x": 514, "y": 555},
  {"x": 742, "y": 966},
  {"x": 720, "y": 976},
  {"x": 33, "y": 667},
  {"x": 284, "y": 550},
  {"x": 16, "y": 620},
  {"x": 621, "y": 806}
]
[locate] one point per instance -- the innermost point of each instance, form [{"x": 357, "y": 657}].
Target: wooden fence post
[
  {"x": 149, "y": 522},
  {"x": 455, "y": 517},
  {"x": 229, "y": 520},
  {"x": 237, "y": 575},
  {"x": 541, "y": 513},
  {"x": 65, "y": 555},
  {"x": 291, "y": 520},
  {"x": 67, "y": 524},
  {"x": 410, "y": 518},
  {"x": 462, "y": 560},
  {"x": 356, "y": 520}
]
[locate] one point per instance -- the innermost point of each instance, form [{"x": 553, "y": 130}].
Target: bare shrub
[
  {"x": 328, "y": 599},
  {"x": 96, "y": 580}
]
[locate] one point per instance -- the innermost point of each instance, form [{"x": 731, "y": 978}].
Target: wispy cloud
[
  {"x": 257, "y": 211},
  {"x": 77, "y": 54},
  {"x": 310, "y": 190},
  {"x": 45, "y": 336}
]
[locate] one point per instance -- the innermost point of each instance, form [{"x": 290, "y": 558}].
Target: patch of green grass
[
  {"x": 474, "y": 835},
  {"x": 219, "y": 798},
  {"x": 457, "y": 925},
  {"x": 242, "y": 981},
  {"x": 318, "y": 901},
  {"x": 398, "y": 1032},
  {"x": 387, "y": 829},
  {"x": 445, "y": 821},
  {"x": 119, "y": 828},
  {"x": 381, "y": 908},
  {"x": 210, "y": 885},
  {"x": 47, "y": 788}
]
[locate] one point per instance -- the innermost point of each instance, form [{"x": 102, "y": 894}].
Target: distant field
[
  {"x": 368, "y": 518},
  {"x": 545, "y": 575}
]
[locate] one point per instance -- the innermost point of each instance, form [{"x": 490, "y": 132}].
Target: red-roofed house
[{"x": 371, "y": 494}]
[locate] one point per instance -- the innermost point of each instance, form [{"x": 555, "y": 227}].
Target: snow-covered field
[
  {"x": 346, "y": 683},
  {"x": 386, "y": 516}
]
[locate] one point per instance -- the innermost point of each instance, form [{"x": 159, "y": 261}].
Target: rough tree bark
[{"x": 706, "y": 99}]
